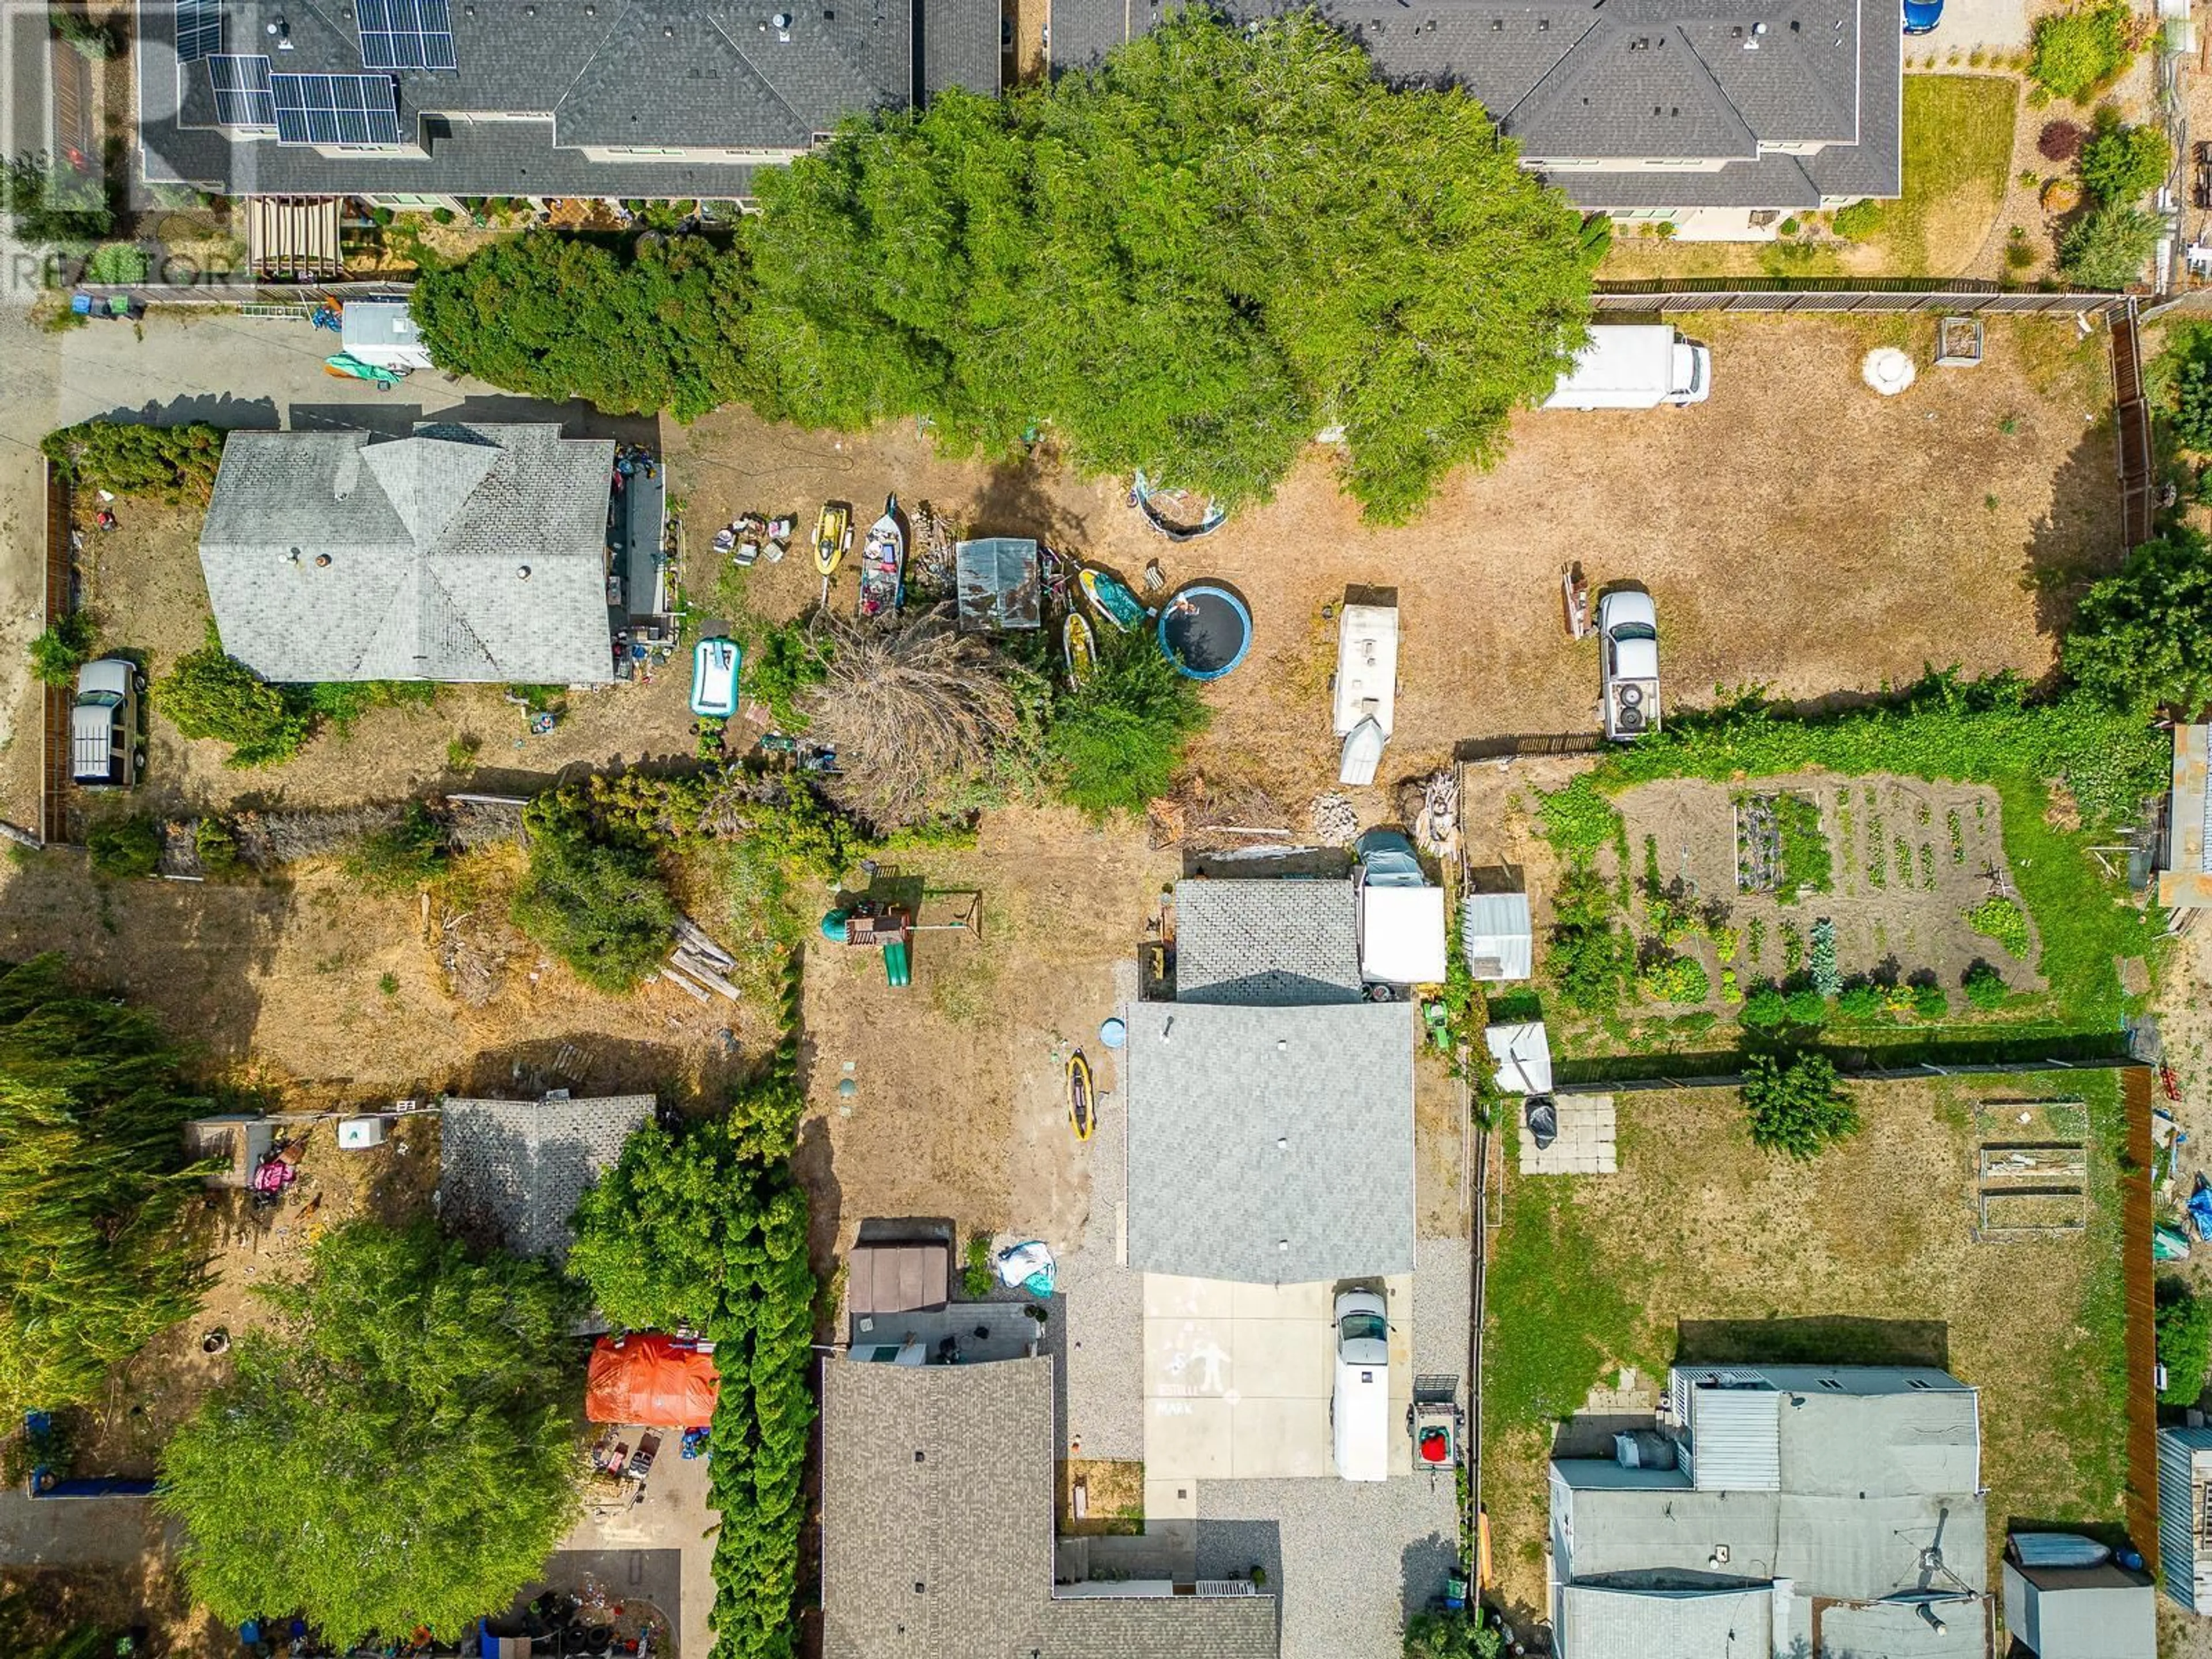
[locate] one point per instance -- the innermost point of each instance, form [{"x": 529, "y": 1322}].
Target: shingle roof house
[
  {"x": 1266, "y": 944},
  {"x": 1801, "y": 1509},
  {"x": 1650, "y": 108},
  {"x": 516, "y": 1167},
  {"x": 463, "y": 553},
  {"x": 1273, "y": 1145},
  {"x": 937, "y": 1532},
  {"x": 538, "y": 97}
]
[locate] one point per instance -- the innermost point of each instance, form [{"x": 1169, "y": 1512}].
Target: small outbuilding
[
  {"x": 1523, "y": 1055},
  {"x": 1496, "y": 936},
  {"x": 2185, "y": 880},
  {"x": 997, "y": 585},
  {"x": 2099, "y": 1611}
]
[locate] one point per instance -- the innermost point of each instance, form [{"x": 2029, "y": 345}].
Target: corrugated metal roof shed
[
  {"x": 1736, "y": 1439},
  {"x": 1496, "y": 936}
]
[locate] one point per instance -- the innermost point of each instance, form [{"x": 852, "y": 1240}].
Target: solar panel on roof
[
  {"x": 406, "y": 34},
  {"x": 199, "y": 29},
  {"x": 242, "y": 95},
  {"x": 336, "y": 109}
]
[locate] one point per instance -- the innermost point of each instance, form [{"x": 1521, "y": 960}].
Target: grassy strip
[{"x": 1957, "y": 151}]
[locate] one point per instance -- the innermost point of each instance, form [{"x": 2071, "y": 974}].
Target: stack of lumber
[{"x": 697, "y": 966}]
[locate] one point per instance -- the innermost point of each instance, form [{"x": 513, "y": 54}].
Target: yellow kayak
[
  {"x": 833, "y": 536},
  {"x": 1077, "y": 645},
  {"x": 1081, "y": 1116}
]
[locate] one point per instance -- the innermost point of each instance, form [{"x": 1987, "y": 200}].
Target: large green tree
[
  {"x": 1189, "y": 260},
  {"x": 400, "y": 1454},
  {"x": 707, "y": 1228},
  {"x": 597, "y": 903},
  {"x": 658, "y": 326},
  {"x": 95, "y": 1256},
  {"x": 2142, "y": 639}
]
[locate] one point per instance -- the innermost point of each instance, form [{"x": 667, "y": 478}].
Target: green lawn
[
  {"x": 1957, "y": 156},
  {"x": 1705, "y": 1247},
  {"x": 1957, "y": 159}
]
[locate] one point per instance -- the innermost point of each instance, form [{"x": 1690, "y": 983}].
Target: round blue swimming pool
[{"x": 1205, "y": 630}]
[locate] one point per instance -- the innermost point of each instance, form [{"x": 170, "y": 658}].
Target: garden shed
[
  {"x": 1524, "y": 1054},
  {"x": 1496, "y": 936},
  {"x": 996, "y": 580}
]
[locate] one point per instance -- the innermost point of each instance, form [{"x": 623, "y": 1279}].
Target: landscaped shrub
[
  {"x": 2060, "y": 196},
  {"x": 129, "y": 458},
  {"x": 1796, "y": 1109},
  {"x": 124, "y": 847},
  {"x": 1678, "y": 979},
  {"x": 216, "y": 845},
  {"x": 1859, "y": 222},
  {"x": 2078, "y": 53},
  {"x": 1806, "y": 1007},
  {"x": 1461, "y": 1634},
  {"x": 1863, "y": 1001},
  {"x": 978, "y": 1276},
  {"x": 2142, "y": 640},
  {"x": 601, "y": 907},
  {"x": 119, "y": 264},
  {"x": 2110, "y": 247},
  {"x": 2001, "y": 919},
  {"x": 63, "y": 648},
  {"x": 1928, "y": 1000},
  {"x": 2060, "y": 141},
  {"x": 1115, "y": 741},
  {"x": 2123, "y": 162},
  {"x": 211, "y": 694},
  {"x": 2192, "y": 419},
  {"x": 401, "y": 858},
  {"x": 1764, "y": 1009},
  {"x": 1827, "y": 978},
  {"x": 2184, "y": 1341},
  {"x": 1985, "y": 987},
  {"x": 1588, "y": 956}
]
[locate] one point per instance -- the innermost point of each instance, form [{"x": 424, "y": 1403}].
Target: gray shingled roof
[
  {"x": 937, "y": 1530},
  {"x": 1597, "y": 81},
  {"x": 1266, "y": 944},
  {"x": 427, "y": 539},
  {"x": 517, "y": 1168},
  {"x": 1249, "y": 1127},
  {"x": 644, "y": 75}
]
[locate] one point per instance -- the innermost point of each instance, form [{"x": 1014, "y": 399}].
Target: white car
[
  {"x": 1359, "y": 1411},
  {"x": 1628, "y": 640},
  {"x": 104, "y": 752}
]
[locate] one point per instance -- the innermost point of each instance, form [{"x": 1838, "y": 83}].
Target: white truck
[
  {"x": 1628, "y": 644},
  {"x": 1635, "y": 367}
]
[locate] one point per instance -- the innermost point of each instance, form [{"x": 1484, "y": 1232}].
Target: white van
[
  {"x": 1635, "y": 366},
  {"x": 1359, "y": 1411}
]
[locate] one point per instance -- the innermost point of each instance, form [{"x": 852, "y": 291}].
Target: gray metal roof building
[
  {"x": 2184, "y": 1516},
  {"x": 2104, "y": 1612},
  {"x": 517, "y": 1168},
  {"x": 464, "y": 553},
  {"x": 1814, "y": 1509},
  {"x": 1631, "y": 104},
  {"x": 1266, "y": 944},
  {"x": 937, "y": 1532},
  {"x": 626, "y": 97},
  {"x": 1273, "y": 1145}
]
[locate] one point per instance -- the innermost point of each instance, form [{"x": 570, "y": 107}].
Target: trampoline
[{"x": 1205, "y": 630}]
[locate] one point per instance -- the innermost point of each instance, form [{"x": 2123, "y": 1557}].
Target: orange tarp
[{"x": 659, "y": 1381}]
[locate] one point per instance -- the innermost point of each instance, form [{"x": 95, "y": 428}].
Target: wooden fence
[
  {"x": 2136, "y": 1269},
  {"x": 2131, "y": 419},
  {"x": 54, "y": 747}
]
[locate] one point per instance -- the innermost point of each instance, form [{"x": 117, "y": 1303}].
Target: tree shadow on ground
[
  {"x": 215, "y": 408},
  {"x": 2077, "y": 539},
  {"x": 1019, "y": 498}
]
